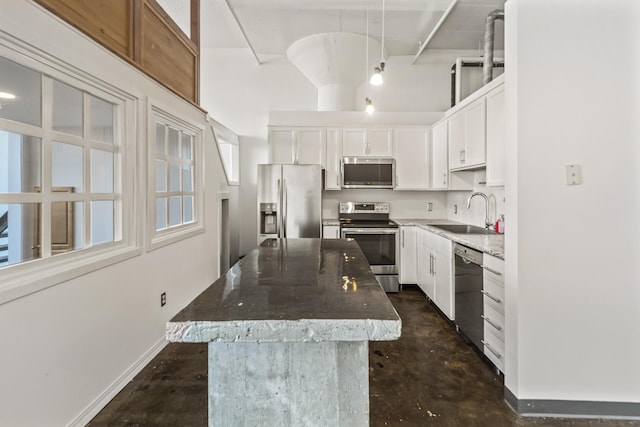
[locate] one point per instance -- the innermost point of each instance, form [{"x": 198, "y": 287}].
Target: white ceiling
[{"x": 271, "y": 26}]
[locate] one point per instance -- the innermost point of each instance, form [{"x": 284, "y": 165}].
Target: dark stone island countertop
[{"x": 291, "y": 290}]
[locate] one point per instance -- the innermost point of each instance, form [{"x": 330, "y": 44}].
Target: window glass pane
[
  {"x": 161, "y": 213},
  {"x": 174, "y": 176},
  {"x": 21, "y": 100},
  {"x": 101, "y": 222},
  {"x": 66, "y": 227},
  {"x": 160, "y": 139},
  {"x": 20, "y": 163},
  {"x": 187, "y": 182},
  {"x": 19, "y": 233},
  {"x": 175, "y": 217},
  {"x": 101, "y": 171},
  {"x": 186, "y": 146},
  {"x": 66, "y": 166},
  {"x": 161, "y": 175},
  {"x": 101, "y": 120},
  {"x": 187, "y": 208},
  {"x": 67, "y": 109},
  {"x": 174, "y": 143}
]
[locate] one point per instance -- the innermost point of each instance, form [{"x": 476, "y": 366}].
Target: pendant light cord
[
  {"x": 366, "y": 68},
  {"x": 382, "y": 50}
]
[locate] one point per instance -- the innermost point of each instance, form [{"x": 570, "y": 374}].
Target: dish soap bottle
[{"x": 500, "y": 224}]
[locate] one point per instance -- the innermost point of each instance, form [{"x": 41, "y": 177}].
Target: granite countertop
[
  {"x": 291, "y": 290},
  {"x": 492, "y": 244},
  {"x": 330, "y": 221}
]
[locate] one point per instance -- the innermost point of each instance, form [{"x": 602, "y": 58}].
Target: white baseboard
[{"x": 103, "y": 399}]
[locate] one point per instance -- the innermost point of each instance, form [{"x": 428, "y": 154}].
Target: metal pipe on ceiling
[
  {"x": 235, "y": 17},
  {"x": 489, "y": 35},
  {"x": 435, "y": 30}
]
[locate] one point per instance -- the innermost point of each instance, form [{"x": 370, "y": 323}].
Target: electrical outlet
[
  {"x": 455, "y": 209},
  {"x": 429, "y": 206},
  {"x": 163, "y": 299}
]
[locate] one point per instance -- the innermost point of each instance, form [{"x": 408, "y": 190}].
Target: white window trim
[
  {"x": 222, "y": 133},
  {"x": 19, "y": 280},
  {"x": 157, "y": 239}
]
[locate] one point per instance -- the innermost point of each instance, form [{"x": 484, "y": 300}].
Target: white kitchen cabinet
[
  {"x": 330, "y": 231},
  {"x": 493, "y": 310},
  {"x": 282, "y": 143},
  {"x": 496, "y": 137},
  {"x": 367, "y": 142},
  {"x": 426, "y": 280},
  {"x": 412, "y": 154},
  {"x": 439, "y": 157},
  {"x": 408, "y": 271},
  {"x": 297, "y": 145},
  {"x": 467, "y": 137},
  {"x": 435, "y": 270},
  {"x": 332, "y": 171}
]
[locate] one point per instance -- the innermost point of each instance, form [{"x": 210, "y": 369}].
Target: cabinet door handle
[
  {"x": 498, "y": 300},
  {"x": 491, "y": 270},
  {"x": 403, "y": 238},
  {"x": 491, "y": 349},
  {"x": 430, "y": 265},
  {"x": 489, "y": 321}
]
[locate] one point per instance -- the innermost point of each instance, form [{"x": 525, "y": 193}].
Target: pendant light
[
  {"x": 376, "y": 78},
  {"x": 368, "y": 103}
]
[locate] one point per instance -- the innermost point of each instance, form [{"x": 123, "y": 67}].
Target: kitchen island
[{"x": 288, "y": 328}]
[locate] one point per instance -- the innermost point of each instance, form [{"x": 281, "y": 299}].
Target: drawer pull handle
[
  {"x": 498, "y": 300},
  {"x": 498, "y": 355},
  {"x": 491, "y": 270},
  {"x": 489, "y": 321}
]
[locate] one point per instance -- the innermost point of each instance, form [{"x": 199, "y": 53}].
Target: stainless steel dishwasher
[{"x": 468, "y": 296}]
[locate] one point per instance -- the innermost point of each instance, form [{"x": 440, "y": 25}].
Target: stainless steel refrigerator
[{"x": 289, "y": 201}]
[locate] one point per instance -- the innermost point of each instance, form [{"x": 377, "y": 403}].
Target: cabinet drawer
[
  {"x": 493, "y": 295},
  {"x": 494, "y": 350},
  {"x": 493, "y": 322}
]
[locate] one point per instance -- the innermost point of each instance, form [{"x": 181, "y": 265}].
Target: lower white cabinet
[
  {"x": 330, "y": 231},
  {"x": 435, "y": 270},
  {"x": 408, "y": 269},
  {"x": 493, "y": 310}
]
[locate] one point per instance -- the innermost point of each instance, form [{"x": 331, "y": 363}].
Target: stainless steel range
[{"x": 368, "y": 224}]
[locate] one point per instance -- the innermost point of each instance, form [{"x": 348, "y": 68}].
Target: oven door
[{"x": 379, "y": 245}]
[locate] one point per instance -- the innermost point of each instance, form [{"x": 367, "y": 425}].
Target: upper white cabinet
[
  {"x": 413, "y": 163},
  {"x": 495, "y": 137},
  {"x": 367, "y": 142},
  {"x": 332, "y": 168},
  {"x": 439, "y": 157},
  {"x": 467, "y": 136},
  {"x": 297, "y": 145}
]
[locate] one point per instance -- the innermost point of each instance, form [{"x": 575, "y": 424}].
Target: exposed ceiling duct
[
  {"x": 336, "y": 64},
  {"x": 489, "y": 35}
]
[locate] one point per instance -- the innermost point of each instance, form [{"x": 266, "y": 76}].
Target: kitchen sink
[{"x": 464, "y": 229}]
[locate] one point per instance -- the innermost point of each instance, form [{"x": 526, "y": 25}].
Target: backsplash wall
[
  {"x": 404, "y": 204},
  {"x": 476, "y": 213}
]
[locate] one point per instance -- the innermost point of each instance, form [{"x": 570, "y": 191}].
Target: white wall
[
  {"x": 572, "y": 281},
  {"x": 67, "y": 350}
]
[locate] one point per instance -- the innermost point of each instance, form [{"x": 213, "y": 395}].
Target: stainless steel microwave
[{"x": 368, "y": 172}]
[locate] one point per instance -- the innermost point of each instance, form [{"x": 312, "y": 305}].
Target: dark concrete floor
[{"x": 429, "y": 377}]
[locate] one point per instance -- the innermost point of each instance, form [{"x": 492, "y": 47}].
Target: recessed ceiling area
[{"x": 272, "y": 26}]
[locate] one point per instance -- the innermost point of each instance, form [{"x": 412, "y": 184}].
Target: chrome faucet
[{"x": 487, "y": 222}]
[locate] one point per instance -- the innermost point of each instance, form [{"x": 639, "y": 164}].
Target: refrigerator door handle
[
  {"x": 284, "y": 208},
  {"x": 279, "y": 214}
]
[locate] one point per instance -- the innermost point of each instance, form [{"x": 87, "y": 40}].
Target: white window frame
[
  {"x": 160, "y": 238},
  {"x": 225, "y": 136},
  {"x": 21, "y": 279}
]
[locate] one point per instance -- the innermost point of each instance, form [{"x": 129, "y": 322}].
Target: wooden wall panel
[
  {"x": 167, "y": 54},
  {"x": 107, "y": 21}
]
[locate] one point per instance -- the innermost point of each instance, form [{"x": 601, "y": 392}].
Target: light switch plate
[{"x": 574, "y": 174}]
